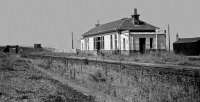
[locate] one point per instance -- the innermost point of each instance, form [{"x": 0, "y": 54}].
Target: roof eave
[{"x": 95, "y": 34}]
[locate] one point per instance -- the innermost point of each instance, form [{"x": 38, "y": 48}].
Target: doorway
[
  {"x": 142, "y": 43},
  {"x": 98, "y": 44}
]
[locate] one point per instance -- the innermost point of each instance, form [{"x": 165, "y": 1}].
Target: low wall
[{"x": 131, "y": 82}]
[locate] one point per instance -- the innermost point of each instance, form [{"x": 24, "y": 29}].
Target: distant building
[
  {"x": 187, "y": 46},
  {"x": 125, "y": 35},
  {"x": 11, "y": 49},
  {"x": 37, "y": 46}
]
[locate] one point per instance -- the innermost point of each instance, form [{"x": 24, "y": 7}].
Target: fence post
[
  {"x": 81, "y": 66},
  {"x": 49, "y": 62},
  {"x": 67, "y": 64},
  {"x": 74, "y": 73},
  {"x": 120, "y": 71}
]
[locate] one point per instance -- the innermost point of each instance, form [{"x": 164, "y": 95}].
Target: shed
[{"x": 187, "y": 46}]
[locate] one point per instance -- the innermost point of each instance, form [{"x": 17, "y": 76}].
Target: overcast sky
[{"x": 51, "y": 22}]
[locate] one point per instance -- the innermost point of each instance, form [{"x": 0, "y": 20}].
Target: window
[
  {"x": 115, "y": 41},
  {"x": 151, "y": 43},
  {"x": 99, "y": 43},
  {"x": 124, "y": 44},
  {"x": 102, "y": 42},
  {"x": 111, "y": 42}
]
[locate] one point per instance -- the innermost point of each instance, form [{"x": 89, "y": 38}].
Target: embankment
[{"x": 129, "y": 81}]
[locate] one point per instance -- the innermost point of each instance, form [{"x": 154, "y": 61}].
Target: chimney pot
[{"x": 135, "y": 11}]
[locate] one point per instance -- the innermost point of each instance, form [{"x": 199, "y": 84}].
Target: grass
[
  {"x": 19, "y": 82},
  {"x": 133, "y": 84}
]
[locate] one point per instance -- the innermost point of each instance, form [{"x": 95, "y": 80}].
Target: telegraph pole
[
  {"x": 72, "y": 40},
  {"x": 168, "y": 28}
]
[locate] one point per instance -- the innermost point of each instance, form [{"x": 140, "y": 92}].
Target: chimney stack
[
  {"x": 97, "y": 25},
  {"x": 136, "y": 17}
]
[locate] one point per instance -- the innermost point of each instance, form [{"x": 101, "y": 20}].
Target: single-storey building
[
  {"x": 124, "y": 35},
  {"x": 187, "y": 46}
]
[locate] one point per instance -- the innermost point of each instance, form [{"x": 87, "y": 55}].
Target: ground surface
[
  {"x": 126, "y": 83},
  {"x": 20, "y": 82}
]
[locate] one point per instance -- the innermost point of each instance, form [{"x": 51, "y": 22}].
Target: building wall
[
  {"x": 82, "y": 44},
  {"x": 91, "y": 43},
  {"x": 161, "y": 41},
  {"x": 189, "y": 48},
  {"x": 124, "y": 35},
  {"x": 107, "y": 42},
  {"x": 131, "y": 41},
  {"x": 135, "y": 41}
]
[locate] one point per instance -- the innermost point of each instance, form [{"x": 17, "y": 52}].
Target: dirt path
[{"x": 101, "y": 97}]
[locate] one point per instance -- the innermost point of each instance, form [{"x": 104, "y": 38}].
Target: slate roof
[
  {"x": 120, "y": 25},
  {"x": 188, "y": 40}
]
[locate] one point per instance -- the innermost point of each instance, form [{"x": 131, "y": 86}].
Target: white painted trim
[{"x": 156, "y": 41}]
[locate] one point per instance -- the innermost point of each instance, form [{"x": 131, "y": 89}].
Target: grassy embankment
[
  {"x": 130, "y": 83},
  {"x": 20, "y": 82}
]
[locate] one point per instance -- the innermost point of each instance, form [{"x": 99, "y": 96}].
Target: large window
[{"x": 99, "y": 43}]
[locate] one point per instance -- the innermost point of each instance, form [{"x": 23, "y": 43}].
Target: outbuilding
[{"x": 187, "y": 46}]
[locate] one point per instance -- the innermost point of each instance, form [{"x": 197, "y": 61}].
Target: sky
[{"x": 50, "y": 22}]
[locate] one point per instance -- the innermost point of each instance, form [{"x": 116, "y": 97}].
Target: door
[
  {"x": 98, "y": 43},
  {"x": 142, "y": 42}
]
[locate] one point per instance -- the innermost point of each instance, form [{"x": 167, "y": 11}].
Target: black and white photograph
[{"x": 99, "y": 51}]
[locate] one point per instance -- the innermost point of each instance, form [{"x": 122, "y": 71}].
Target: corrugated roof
[
  {"x": 188, "y": 40},
  {"x": 122, "y": 24}
]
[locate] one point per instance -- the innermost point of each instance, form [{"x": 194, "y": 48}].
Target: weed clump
[{"x": 98, "y": 76}]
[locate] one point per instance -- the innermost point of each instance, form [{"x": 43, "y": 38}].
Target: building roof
[
  {"x": 188, "y": 40},
  {"x": 120, "y": 25}
]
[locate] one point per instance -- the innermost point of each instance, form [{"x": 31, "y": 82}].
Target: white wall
[
  {"x": 135, "y": 39},
  {"x": 82, "y": 44},
  {"x": 126, "y": 37},
  {"x": 133, "y": 44},
  {"x": 91, "y": 43},
  {"x": 161, "y": 41},
  {"x": 107, "y": 42}
]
